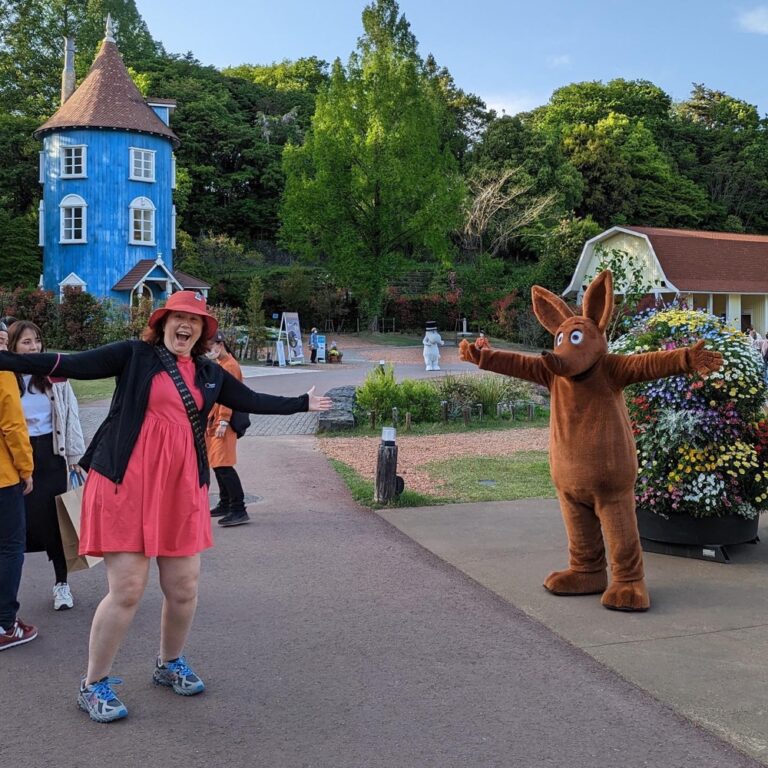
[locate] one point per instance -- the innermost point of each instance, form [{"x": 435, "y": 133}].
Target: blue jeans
[{"x": 13, "y": 533}]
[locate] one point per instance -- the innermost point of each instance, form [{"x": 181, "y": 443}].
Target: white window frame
[
  {"x": 71, "y": 148},
  {"x": 73, "y": 203},
  {"x": 146, "y": 159},
  {"x": 173, "y": 228},
  {"x": 72, "y": 280},
  {"x": 41, "y": 167},
  {"x": 144, "y": 209},
  {"x": 41, "y": 224}
]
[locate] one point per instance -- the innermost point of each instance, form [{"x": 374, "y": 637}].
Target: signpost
[
  {"x": 289, "y": 337},
  {"x": 321, "y": 349}
]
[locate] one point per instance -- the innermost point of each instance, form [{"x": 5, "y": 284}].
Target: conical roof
[{"x": 108, "y": 98}]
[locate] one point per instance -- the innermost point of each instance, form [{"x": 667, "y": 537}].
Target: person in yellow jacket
[
  {"x": 15, "y": 482},
  {"x": 221, "y": 443}
]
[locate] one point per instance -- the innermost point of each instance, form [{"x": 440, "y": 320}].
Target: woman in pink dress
[{"x": 146, "y": 495}]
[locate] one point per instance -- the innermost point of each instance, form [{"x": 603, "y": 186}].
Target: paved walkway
[{"x": 328, "y": 639}]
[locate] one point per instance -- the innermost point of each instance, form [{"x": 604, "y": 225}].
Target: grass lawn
[
  {"x": 98, "y": 389},
  {"x": 523, "y": 475}
]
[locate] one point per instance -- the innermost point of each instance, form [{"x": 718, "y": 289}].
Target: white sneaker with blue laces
[{"x": 177, "y": 674}]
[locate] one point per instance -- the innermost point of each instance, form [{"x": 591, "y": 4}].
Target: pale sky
[{"x": 511, "y": 53}]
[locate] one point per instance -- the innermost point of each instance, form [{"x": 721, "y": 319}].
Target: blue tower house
[{"x": 107, "y": 220}]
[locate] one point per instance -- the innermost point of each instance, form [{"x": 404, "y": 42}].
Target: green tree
[
  {"x": 20, "y": 264},
  {"x": 32, "y": 52},
  {"x": 628, "y": 179},
  {"x": 722, "y": 145},
  {"x": 537, "y": 150},
  {"x": 254, "y": 308},
  {"x": 232, "y": 133},
  {"x": 373, "y": 180},
  {"x": 229, "y": 264},
  {"x": 559, "y": 249}
]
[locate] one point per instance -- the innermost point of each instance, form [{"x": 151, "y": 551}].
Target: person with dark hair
[
  {"x": 53, "y": 422},
  {"x": 313, "y": 345},
  {"x": 3, "y": 336},
  {"x": 146, "y": 495},
  {"x": 221, "y": 442},
  {"x": 15, "y": 482}
]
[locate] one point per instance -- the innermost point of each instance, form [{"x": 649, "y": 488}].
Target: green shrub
[
  {"x": 468, "y": 390},
  {"x": 420, "y": 399},
  {"x": 378, "y": 394}
]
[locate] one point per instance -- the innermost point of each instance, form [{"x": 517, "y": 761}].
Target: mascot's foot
[
  {"x": 627, "y": 596},
  {"x": 570, "y": 582}
]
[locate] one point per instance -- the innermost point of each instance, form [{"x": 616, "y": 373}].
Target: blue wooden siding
[
  {"x": 163, "y": 112},
  {"x": 108, "y": 191}
]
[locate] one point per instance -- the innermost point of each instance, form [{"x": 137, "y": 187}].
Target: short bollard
[{"x": 386, "y": 468}]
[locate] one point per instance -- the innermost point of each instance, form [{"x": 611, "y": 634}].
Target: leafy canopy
[{"x": 375, "y": 180}]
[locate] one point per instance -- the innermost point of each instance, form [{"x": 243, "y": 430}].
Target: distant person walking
[
  {"x": 53, "y": 422},
  {"x": 313, "y": 345},
  {"x": 221, "y": 442},
  {"x": 146, "y": 495},
  {"x": 15, "y": 482}
]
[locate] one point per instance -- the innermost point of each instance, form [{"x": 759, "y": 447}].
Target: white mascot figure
[{"x": 432, "y": 343}]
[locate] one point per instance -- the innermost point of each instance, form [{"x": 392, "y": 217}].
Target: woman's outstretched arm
[{"x": 100, "y": 363}]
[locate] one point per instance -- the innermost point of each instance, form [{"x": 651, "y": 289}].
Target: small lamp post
[{"x": 386, "y": 467}]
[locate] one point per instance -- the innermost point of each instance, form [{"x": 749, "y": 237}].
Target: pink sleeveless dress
[{"x": 159, "y": 509}]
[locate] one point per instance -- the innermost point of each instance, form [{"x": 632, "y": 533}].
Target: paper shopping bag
[{"x": 68, "y": 506}]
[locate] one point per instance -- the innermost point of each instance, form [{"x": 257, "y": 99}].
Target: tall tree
[
  {"x": 32, "y": 50},
  {"x": 375, "y": 179}
]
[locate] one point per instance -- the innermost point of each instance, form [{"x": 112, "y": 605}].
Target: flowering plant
[{"x": 702, "y": 444}]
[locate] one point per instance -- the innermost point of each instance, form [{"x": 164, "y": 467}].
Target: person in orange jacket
[
  {"x": 221, "y": 442},
  {"x": 15, "y": 482}
]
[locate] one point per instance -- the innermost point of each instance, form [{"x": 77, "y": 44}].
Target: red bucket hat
[{"x": 187, "y": 301}]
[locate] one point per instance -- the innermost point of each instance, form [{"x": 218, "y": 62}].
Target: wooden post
[
  {"x": 444, "y": 410},
  {"x": 466, "y": 412},
  {"x": 395, "y": 417},
  {"x": 386, "y": 473},
  {"x": 407, "y": 421}
]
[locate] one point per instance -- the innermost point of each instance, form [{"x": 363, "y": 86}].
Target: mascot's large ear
[
  {"x": 598, "y": 300},
  {"x": 550, "y": 310}
]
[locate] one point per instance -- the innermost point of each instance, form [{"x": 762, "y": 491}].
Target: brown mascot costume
[{"x": 592, "y": 451}]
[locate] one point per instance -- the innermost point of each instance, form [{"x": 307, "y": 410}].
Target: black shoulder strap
[{"x": 169, "y": 363}]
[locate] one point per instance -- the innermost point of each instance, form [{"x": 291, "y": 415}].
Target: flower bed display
[{"x": 702, "y": 443}]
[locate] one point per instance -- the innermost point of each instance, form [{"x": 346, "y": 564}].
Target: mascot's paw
[
  {"x": 469, "y": 352},
  {"x": 627, "y": 596},
  {"x": 702, "y": 360},
  {"x": 573, "y": 583}
]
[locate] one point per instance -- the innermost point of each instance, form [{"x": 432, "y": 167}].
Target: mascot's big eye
[
  {"x": 559, "y": 339},
  {"x": 576, "y": 337}
]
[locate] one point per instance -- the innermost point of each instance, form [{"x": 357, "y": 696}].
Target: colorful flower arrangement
[{"x": 702, "y": 443}]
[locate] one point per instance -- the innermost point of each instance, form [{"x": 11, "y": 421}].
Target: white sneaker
[{"x": 62, "y": 597}]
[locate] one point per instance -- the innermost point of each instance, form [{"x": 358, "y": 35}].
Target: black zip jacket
[{"x": 134, "y": 364}]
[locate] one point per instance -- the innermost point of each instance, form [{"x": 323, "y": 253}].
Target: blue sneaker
[
  {"x": 99, "y": 700},
  {"x": 177, "y": 674}
]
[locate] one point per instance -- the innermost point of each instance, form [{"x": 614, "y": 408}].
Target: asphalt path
[{"x": 328, "y": 639}]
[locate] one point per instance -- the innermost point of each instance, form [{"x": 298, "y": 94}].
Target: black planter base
[{"x": 700, "y": 538}]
